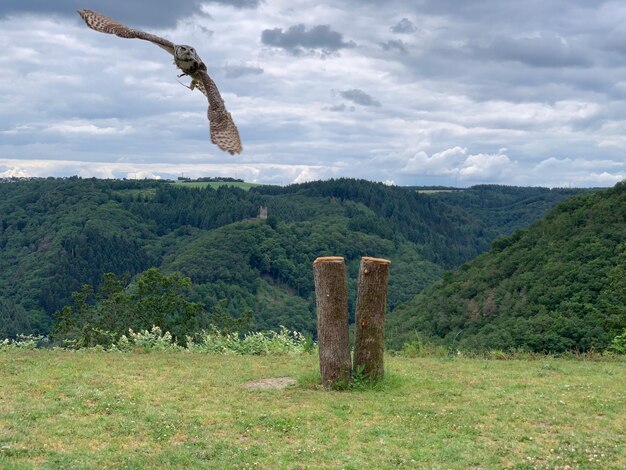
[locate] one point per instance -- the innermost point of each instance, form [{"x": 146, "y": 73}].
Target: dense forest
[
  {"x": 59, "y": 235},
  {"x": 558, "y": 286}
]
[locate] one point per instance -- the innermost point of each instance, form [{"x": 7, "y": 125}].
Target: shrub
[
  {"x": 213, "y": 341},
  {"x": 618, "y": 344},
  {"x": 259, "y": 343},
  {"x": 29, "y": 342},
  {"x": 147, "y": 341},
  {"x": 418, "y": 348}
]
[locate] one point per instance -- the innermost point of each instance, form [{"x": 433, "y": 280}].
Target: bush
[
  {"x": 260, "y": 343},
  {"x": 147, "y": 341},
  {"x": 618, "y": 344},
  {"x": 213, "y": 342},
  {"x": 29, "y": 342},
  {"x": 418, "y": 348}
]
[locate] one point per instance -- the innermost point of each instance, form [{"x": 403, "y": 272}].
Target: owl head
[
  {"x": 183, "y": 52},
  {"x": 186, "y": 58}
]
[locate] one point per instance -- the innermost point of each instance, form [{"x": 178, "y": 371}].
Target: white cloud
[
  {"x": 454, "y": 91},
  {"x": 14, "y": 172},
  {"x": 488, "y": 167},
  {"x": 458, "y": 163},
  {"x": 145, "y": 174},
  {"x": 580, "y": 172},
  {"x": 89, "y": 128},
  {"x": 257, "y": 173}
]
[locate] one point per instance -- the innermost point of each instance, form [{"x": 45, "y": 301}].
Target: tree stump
[
  {"x": 371, "y": 304},
  {"x": 331, "y": 294}
]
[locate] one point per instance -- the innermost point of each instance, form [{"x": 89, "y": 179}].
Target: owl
[{"x": 223, "y": 131}]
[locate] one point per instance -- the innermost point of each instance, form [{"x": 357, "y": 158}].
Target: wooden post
[
  {"x": 371, "y": 304},
  {"x": 331, "y": 293}
]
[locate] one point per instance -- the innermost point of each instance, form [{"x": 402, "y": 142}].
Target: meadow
[
  {"x": 215, "y": 184},
  {"x": 86, "y": 409}
]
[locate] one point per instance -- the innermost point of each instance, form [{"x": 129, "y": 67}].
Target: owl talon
[
  {"x": 192, "y": 86},
  {"x": 194, "y": 82},
  {"x": 186, "y": 86}
]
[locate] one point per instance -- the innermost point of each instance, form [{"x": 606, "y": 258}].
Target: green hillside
[
  {"x": 58, "y": 234},
  {"x": 216, "y": 184},
  {"x": 560, "y": 285}
]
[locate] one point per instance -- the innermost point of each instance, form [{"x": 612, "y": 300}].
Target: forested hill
[
  {"x": 560, "y": 285},
  {"x": 451, "y": 227},
  {"x": 58, "y": 234}
]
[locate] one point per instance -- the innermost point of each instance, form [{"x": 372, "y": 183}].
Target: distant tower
[{"x": 263, "y": 213}]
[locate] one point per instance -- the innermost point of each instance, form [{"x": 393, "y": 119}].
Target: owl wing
[
  {"x": 224, "y": 133},
  {"x": 104, "y": 24}
]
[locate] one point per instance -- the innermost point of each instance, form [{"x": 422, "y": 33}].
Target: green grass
[
  {"x": 433, "y": 191},
  {"x": 215, "y": 184},
  {"x": 147, "y": 192},
  {"x": 61, "y": 409}
]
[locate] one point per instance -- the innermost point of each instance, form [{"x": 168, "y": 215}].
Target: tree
[
  {"x": 14, "y": 319},
  {"x": 153, "y": 299},
  {"x": 160, "y": 300}
]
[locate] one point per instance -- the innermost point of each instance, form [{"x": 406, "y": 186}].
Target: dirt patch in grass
[{"x": 272, "y": 382}]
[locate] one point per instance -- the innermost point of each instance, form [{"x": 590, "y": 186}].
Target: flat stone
[{"x": 273, "y": 382}]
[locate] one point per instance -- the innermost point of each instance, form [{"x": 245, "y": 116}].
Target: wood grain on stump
[
  {"x": 331, "y": 295},
  {"x": 371, "y": 304}
]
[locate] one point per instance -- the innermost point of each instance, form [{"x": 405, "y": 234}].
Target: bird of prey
[{"x": 224, "y": 133}]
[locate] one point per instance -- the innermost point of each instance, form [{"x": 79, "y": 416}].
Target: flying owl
[{"x": 224, "y": 133}]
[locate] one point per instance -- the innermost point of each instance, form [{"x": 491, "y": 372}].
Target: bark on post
[
  {"x": 371, "y": 304},
  {"x": 331, "y": 293}
]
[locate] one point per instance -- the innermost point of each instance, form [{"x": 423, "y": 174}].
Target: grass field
[
  {"x": 216, "y": 184},
  {"x": 184, "y": 410},
  {"x": 433, "y": 191}
]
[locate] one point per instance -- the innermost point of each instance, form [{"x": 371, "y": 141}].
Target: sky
[{"x": 412, "y": 92}]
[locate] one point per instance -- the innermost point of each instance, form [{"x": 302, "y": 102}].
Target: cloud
[
  {"x": 543, "y": 50},
  {"x": 541, "y": 79},
  {"x": 577, "y": 171},
  {"x": 359, "y": 97},
  {"x": 307, "y": 174},
  {"x": 89, "y": 128},
  {"x": 404, "y": 26},
  {"x": 13, "y": 172},
  {"x": 239, "y": 3},
  {"x": 142, "y": 174},
  {"x": 446, "y": 162},
  {"x": 340, "y": 108},
  {"x": 236, "y": 71},
  {"x": 267, "y": 173},
  {"x": 154, "y": 13},
  {"x": 486, "y": 167},
  {"x": 394, "y": 44},
  {"x": 297, "y": 40},
  {"x": 459, "y": 163}
]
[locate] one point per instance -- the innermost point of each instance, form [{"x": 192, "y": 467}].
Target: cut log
[
  {"x": 371, "y": 304},
  {"x": 331, "y": 294}
]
